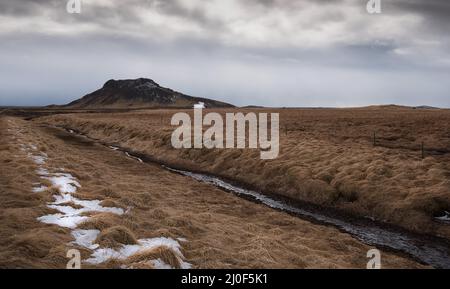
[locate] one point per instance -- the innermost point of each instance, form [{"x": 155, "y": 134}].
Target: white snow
[
  {"x": 65, "y": 183},
  {"x": 94, "y": 205},
  {"x": 101, "y": 255},
  {"x": 68, "y": 221},
  {"x": 87, "y": 206},
  {"x": 86, "y": 238},
  {"x": 62, "y": 198},
  {"x": 69, "y": 216},
  {"x": 67, "y": 210}
]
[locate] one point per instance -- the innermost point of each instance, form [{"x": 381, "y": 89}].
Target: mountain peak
[
  {"x": 137, "y": 93},
  {"x": 139, "y": 83}
]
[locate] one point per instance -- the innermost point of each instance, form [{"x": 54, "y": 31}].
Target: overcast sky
[{"x": 262, "y": 52}]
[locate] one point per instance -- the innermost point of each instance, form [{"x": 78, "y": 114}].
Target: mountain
[
  {"x": 139, "y": 93},
  {"x": 425, "y": 107}
]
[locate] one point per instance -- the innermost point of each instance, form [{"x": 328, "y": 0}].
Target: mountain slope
[{"x": 136, "y": 93}]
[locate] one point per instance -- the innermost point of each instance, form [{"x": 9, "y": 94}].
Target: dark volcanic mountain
[{"x": 137, "y": 93}]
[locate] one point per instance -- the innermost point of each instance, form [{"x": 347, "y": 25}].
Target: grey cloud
[
  {"x": 431, "y": 9},
  {"x": 28, "y": 7},
  {"x": 42, "y": 67}
]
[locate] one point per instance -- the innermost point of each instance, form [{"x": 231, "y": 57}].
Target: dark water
[{"x": 425, "y": 249}]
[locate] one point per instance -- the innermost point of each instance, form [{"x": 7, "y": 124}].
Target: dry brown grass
[
  {"x": 223, "y": 231},
  {"x": 110, "y": 203},
  {"x": 24, "y": 242},
  {"x": 162, "y": 252},
  {"x": 116, "y": 236},
  {"x": 100, "y": 222},
  {"x": 72, "y": 204},
  {"x": 327, "y": 157}
]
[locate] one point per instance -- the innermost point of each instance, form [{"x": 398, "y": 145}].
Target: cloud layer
[{"x": 266, "y": 52}]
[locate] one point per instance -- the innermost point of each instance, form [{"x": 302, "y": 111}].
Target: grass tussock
[
  {"x": 163, "y": 253},
  {"x": 116, "y": 236},
  {"x": 73, "y": 205},
  {"x": 110, "y": 203},
  {"x": 100, "y": 222}
]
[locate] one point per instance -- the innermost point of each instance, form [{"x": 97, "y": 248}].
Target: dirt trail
[{"x": 214, "y": 229}]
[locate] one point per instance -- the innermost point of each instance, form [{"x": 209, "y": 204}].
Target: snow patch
[
  {"x": 62, "y": 198},
  {"x": 87, "y": 206},
  {"x": 69, "y": 216},
  {"x": 101, "y": 255},
  {"x": 65, "y": 183},
  {"x": 86, "y": 238},
  {"x": 67, "y": 221}
]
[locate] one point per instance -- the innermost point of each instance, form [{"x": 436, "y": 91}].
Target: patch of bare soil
[{"x": 213, "y": 229}]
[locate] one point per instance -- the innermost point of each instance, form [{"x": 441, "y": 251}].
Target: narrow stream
[{"x": 429, "y": 250}]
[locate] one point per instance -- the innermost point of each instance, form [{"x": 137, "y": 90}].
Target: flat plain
[{"x": 366, "y": 163}]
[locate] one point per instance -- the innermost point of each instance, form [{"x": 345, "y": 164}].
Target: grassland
[
  {"x": 363, "y": 161},
  {"x": 219, "y": 230}
]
